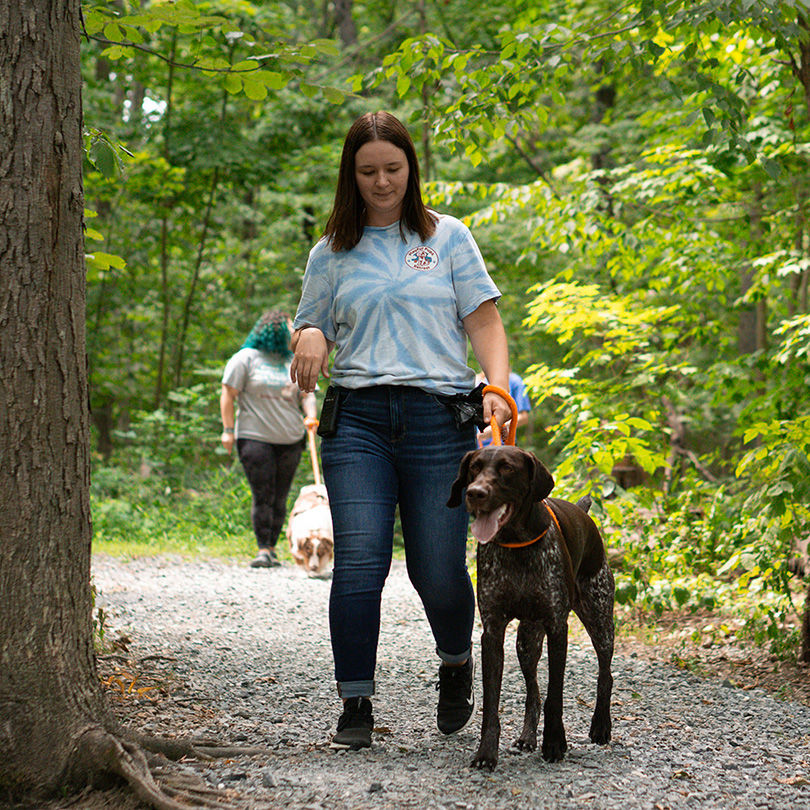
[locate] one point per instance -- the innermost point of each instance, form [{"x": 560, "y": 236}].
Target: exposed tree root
[
  {"x": 98, "y": 753},
  {"x": 193, "y": 748}
]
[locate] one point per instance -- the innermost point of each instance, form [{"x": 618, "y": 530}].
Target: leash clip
[{"x": 496, "y": 430}]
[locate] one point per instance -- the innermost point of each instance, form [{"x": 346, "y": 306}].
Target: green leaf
[
  {"x": 233, "y": 83},
  {"x": 772, "y": 167},
  {"x": 246, "y": 66},
  {"x": 273, "y": 79},
  {"x": 403, "y": 85},
  {"x": 104, "y": 261},
  {"x": 681, "y": 595},
  {"x": 257, "y": 91},
  {"x": 114, "y": 52},
  {"x": 113, "y": 32},
  {"x": 333, "y": 95},
  {"x": 103, "y": 157},
  {"x": 641, "y": 424}
]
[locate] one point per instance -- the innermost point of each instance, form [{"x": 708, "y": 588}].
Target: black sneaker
[
  {"x": 354, "y": 726},
  {"x": 456, "y": 697},
  {"x": 266, "y": 558}
]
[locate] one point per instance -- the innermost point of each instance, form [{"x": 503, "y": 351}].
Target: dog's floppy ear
[
  {"x": 541, "y": 478},
  {"x": 461, "y": 481}
]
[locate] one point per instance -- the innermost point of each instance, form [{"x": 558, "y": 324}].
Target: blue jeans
[{"x": 395, "y": 444}]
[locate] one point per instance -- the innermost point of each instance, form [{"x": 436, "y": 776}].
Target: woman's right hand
[
  {"x": 311, "y": 358},
  {"x": 228, "y": 441}
]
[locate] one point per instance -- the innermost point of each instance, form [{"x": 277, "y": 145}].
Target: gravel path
[{"x": 243, "y": 655}]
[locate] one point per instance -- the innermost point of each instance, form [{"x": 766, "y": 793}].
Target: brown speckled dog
[{"x": 538, "y": 559}]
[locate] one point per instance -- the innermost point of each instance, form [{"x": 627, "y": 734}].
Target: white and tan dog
[{"x": 309, "y": 531}]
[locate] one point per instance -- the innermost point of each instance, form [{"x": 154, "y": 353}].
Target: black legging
[{"x": 270, "y": 469}]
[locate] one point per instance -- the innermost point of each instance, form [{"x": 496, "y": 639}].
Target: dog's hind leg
[
  {"x": 529, "y": 647},
  {"x": 595, "y": 610}
]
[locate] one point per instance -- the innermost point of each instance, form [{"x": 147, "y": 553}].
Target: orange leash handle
[{"x": 496, "y": 430}]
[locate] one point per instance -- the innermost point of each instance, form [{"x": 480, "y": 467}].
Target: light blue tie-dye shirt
[{"x": 394, "y": 308}]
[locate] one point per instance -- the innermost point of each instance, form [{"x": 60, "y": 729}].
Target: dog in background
[
  {"x": 538, "y": 558},
  {"x": 309, "y": 531}
]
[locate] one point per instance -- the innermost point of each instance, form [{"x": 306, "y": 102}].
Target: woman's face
[{"x": 381, "y": 171}]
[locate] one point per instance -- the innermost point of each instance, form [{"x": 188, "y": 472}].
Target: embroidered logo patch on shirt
[{"x": 422, "y": 258}]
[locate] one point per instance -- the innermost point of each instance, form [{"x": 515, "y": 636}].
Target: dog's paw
[
  {"x": 600, "y": 732},
  {"x": 526, "y": 743},
  {"x": 484, "y": 761},
  {"x": 554, "y": 750}
]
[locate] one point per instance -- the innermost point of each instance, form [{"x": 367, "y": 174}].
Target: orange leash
[
  {"x": 496, "y": 439},
  {"x": 313, "y": 452},
  {"x": 496, "y": 430}
]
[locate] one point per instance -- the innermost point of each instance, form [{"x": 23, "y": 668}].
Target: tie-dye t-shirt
[{"x": 394, "y": 307}]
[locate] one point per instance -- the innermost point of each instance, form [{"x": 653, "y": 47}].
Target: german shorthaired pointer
[{"x": 538, "y": 558}]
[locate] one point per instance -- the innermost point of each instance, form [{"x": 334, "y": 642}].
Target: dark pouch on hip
[
  {"x": 327, "y": 424},
  {"x": 466, "y": 409}
]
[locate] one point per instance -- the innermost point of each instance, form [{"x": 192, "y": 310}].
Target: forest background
[{"x": 635, "y": 174}]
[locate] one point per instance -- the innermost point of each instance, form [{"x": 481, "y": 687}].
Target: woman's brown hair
[{"x": 344, "y": 228}]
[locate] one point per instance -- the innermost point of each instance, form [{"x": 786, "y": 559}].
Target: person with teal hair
[{"x": 268, "y": 427}]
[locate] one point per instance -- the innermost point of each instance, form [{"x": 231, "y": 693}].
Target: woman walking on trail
[
  {"x": 268, "y": 429},
  {"x": 396, "y": 289}
]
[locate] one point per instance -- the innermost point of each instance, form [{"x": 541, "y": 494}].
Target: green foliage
[
  {"x": 778, "y": 467},
  {"x": 213, "y": 41},
  {"x": 143, "y": 513},
  {"x": 636, "y": 177},
  {"x": 699, "y": 555},
  {"x": 180, "y": 439}
]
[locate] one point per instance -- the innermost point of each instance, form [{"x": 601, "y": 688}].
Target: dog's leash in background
[
  {"x": 313, "y": 452},
  {"x": 496, "y": 430}
]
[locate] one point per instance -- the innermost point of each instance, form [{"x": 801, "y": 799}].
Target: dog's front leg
[
  {"x": 491, "y": 677},
  {"x": 529, "y": 648},
  {"x": 554, "y": 744}
]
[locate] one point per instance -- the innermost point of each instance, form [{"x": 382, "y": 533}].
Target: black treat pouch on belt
[
  {"x": 467, "y": 409},
  {"x": 327, "y": 424}
]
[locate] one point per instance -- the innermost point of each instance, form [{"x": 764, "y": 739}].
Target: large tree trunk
[
  {"x": 56, "y": 730},
  {"x": 49, "y": 693}
]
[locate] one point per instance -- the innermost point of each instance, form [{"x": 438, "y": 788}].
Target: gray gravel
[{"x": 247, "y": 655}]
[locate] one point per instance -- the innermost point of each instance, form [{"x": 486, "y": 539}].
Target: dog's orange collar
[{"x": 539, "y": 536}]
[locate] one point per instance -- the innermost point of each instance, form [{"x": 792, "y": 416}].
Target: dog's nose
[{"x": 475, "y": 493}]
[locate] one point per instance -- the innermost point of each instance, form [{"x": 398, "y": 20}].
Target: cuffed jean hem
[
  {"x": 453, "y": 659},
  {"x": 351, "y": 689}
]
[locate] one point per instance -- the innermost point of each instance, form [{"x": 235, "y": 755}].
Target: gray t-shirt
[{"x": 269, "y": 405}]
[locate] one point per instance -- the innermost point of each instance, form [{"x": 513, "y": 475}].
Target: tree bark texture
[
  {"x": 49, "y": 692},
  {"x": 345, "y": 23}
]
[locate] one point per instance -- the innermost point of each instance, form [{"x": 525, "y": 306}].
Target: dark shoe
[
  {"x": 266, "y": 558},
  {"x": 456, "y": 697},
  {"x": 354, "y": 726}
]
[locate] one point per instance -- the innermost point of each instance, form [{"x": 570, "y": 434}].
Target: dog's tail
[{"x": 584, "y": 503}]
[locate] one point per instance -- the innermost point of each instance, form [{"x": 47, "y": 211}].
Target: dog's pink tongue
[{"x": 485, "y": 526}]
